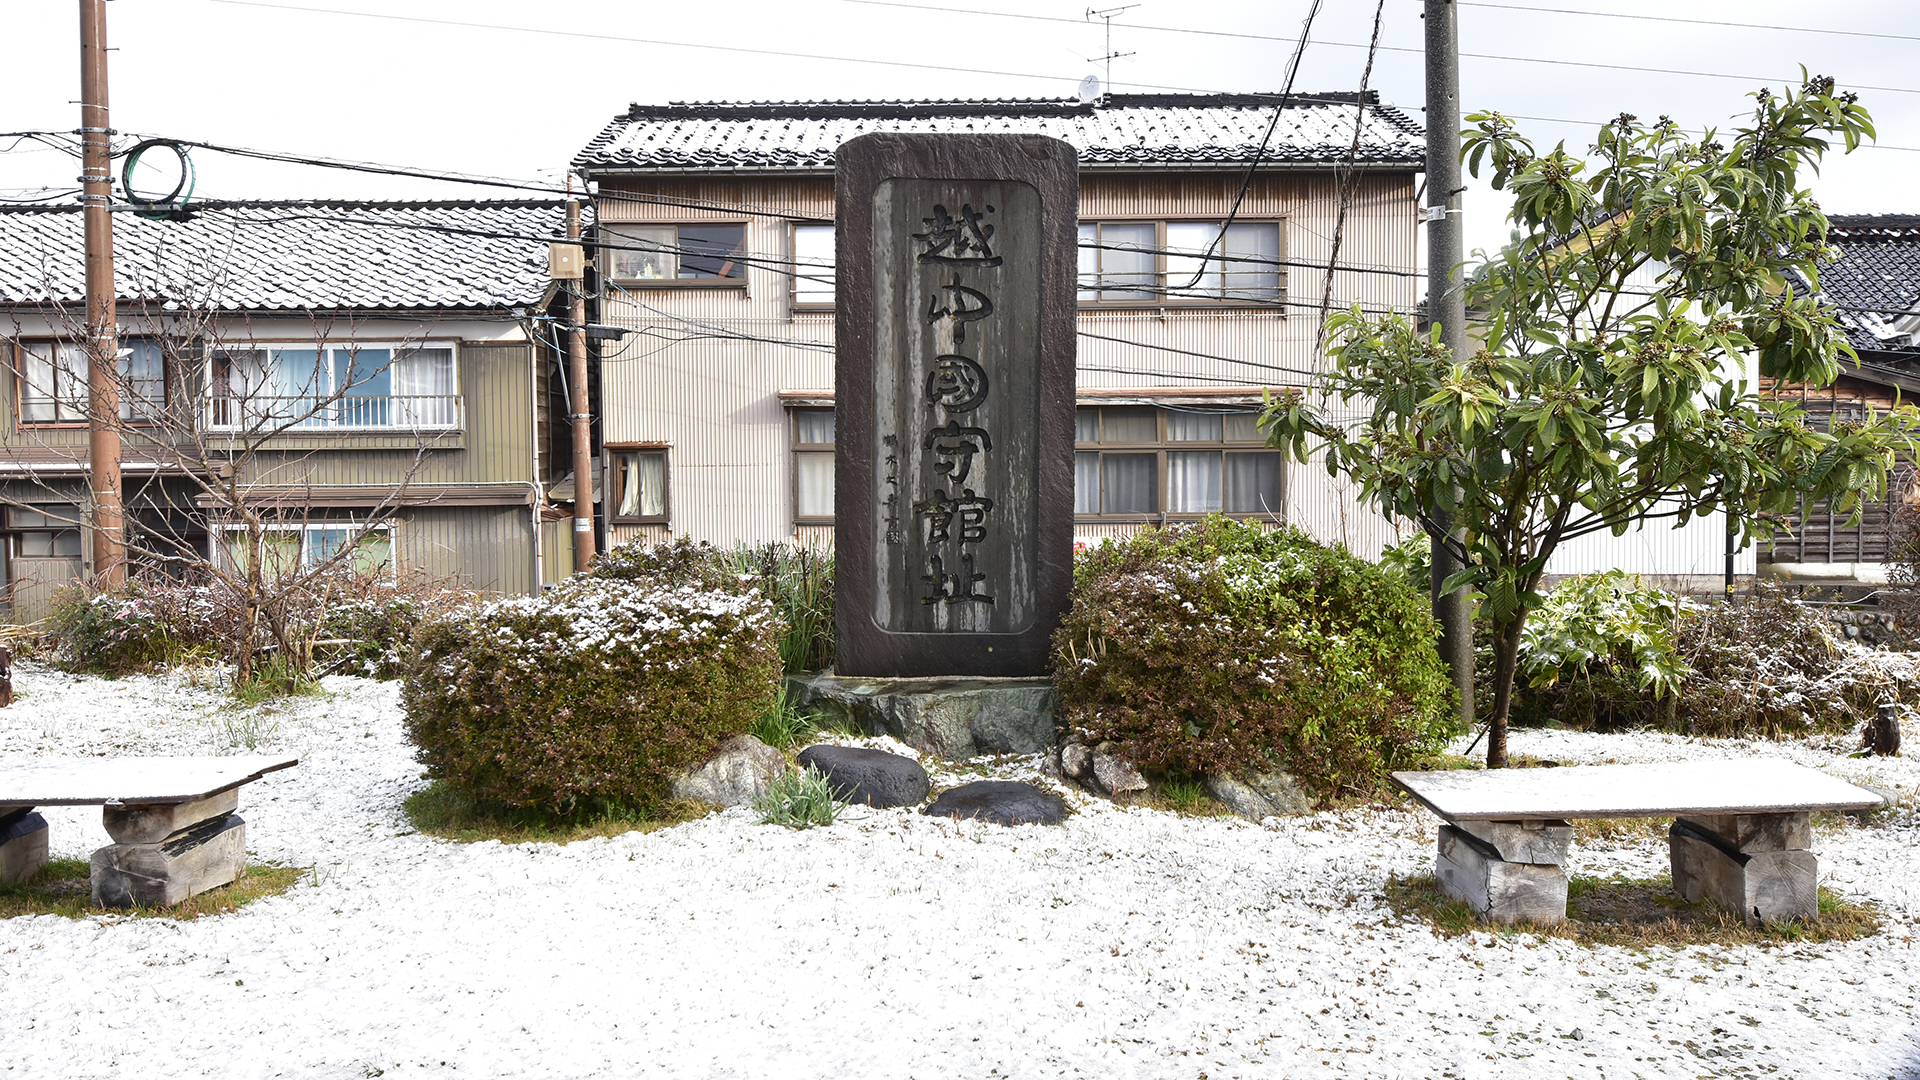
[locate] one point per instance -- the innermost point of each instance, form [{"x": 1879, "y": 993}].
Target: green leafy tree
[{"x": 1609, "y": 388}]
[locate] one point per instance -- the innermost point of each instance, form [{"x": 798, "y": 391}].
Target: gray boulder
[
  {"x": 1002, "y": 802},
  {"x": 868, "y": 777},
  {"x": 735, "y": 776},
  {"x": 1260, "y": 795},
  {"x": 1114, "y": 776}
]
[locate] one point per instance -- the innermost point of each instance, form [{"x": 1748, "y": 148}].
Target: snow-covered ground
[{"x": 1126, "y": 943}]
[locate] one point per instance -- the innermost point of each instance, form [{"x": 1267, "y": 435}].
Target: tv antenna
[{"x": 1106, "y": 14}]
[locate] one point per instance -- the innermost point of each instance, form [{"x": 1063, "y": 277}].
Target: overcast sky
[{"x": 313, "y": 78}]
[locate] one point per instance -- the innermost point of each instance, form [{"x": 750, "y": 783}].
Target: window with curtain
[
  {"x": 53, "y": 381},
  {"x": 813, "y": 265},
  {"x": 362, "y": 385},
  {"x": 296, "y": 549},
  {"x": 1180, "y": 262},
  {"x": 1142, "y": 460},
  {"x": 813, "y": 436},
  {"x": 639, "y": 485}
]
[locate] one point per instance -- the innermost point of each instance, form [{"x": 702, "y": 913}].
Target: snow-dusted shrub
[
  {"x": 594, "y": 693},
  {"x": 374, "y": 617},
  {"x": 145, "y": 622},
  {"x": 798, "y": 580},
  {"x": 1602, "y": 647},
  {"x": 1221, "y": 647}
]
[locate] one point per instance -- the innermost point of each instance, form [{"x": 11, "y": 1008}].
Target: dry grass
[
  {"x": 63, "y": 887},
  {"x": 1636, "y": 912},
  {"x": 442, "y": 811}
]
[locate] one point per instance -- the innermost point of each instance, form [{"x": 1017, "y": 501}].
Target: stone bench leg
[
  {"x": 23, "y": 844},
  {"x": 1755, "y": 864},
  {"x": 164, "y": 854},
  {"x": 1508, "y": 871}
]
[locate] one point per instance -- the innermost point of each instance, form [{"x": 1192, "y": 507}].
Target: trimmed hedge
[
  {"x": 1221, "y": 647},
  {"x": 594, "y": 694}
]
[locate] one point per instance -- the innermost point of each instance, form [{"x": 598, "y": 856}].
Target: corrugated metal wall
[
  {"x": 689, "y": 380},
  {"x": 486, "y": 547}
]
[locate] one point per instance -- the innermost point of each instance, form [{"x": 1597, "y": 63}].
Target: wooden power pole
[
  {"x": 1447, "y": 307},
  {"x": 578, "y": 413},
  {"x": 103, "y": 348}
]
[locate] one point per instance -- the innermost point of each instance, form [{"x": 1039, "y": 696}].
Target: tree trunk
[{"x": 1506, "y": 651}]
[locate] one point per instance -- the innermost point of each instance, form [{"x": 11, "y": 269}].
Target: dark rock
[
  {"x": 955, "y": 718},
  {"x": 868, "y": 777},
  {"x": 1002, "y": 802}
]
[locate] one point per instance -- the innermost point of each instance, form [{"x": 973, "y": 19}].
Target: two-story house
[
  {"x": 1207, "y": 224},
  {"x": 366, "y": 372}
]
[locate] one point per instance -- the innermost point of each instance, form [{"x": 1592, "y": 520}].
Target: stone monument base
[{"x": 954, "y": 716}]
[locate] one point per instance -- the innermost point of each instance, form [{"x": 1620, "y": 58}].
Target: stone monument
[{"x": 954, "y": 400}]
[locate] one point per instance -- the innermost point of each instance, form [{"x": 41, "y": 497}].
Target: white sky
[{"x": 519, "y": 103}]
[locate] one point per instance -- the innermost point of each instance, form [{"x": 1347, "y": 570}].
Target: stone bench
[
  {"x": 172, "y": 821},
  {"x": 1740, "y": 835}
]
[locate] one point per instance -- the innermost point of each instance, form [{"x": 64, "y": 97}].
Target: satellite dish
[{"x": 1089, "y": 91}]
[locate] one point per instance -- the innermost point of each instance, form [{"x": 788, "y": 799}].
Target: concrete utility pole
[
  {"x": 577, "y": 407},
  {"x": 1447, "y": 305},
  {"x": 103, "y": 349}
]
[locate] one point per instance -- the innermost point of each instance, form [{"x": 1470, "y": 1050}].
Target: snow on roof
[
  {"x": 294, "y": 255},
  {"x": 1121, "y": 131},
  {"x": 1875, "y": 279}
]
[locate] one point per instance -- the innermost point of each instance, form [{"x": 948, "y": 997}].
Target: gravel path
[{"x": 1126, "y": 943}]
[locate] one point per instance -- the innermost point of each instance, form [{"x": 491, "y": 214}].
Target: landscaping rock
[
  {"x": 1114, "y": 776},
  {"x": 868, "y": 777},
  {"x": 1262, "y": 795},
  {"x": 1002, "y": 802},
  {"x": 735, "y": 776},
  {"x": 1076, "y": 762},
  {"x": 955, "y": 718}
]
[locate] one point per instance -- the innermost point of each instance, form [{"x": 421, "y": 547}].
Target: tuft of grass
[
  {"x": 245, "y": 730},
  {"x": 64, "y": 887},
  {"x": 798, "y": 800},
  {"x": 1185, "y": 795},
  {"x": 444, "y": 810},
  {"x": 1635, "y": 912},
  {"x": 1618, "y": 831},
  {"x": 781, "y": 725},
  {"x": 275, "y": 677}
]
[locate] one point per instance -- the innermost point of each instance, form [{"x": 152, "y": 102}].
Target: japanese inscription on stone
[{"x": 955, "y": 391}]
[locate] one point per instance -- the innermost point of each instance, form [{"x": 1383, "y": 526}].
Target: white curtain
[
  {"x": 813, "y": 264},
  {"x": 424, "y": 389},
  {"x": 1086, "y": 482},
  {"x": 1193, "y": 482},
  {"x": 1127, "y": 483},
  {"x": 813, "y": 485},
  {"x": 1192, "y": 427},
  {"x": 1254, "y": 483}
]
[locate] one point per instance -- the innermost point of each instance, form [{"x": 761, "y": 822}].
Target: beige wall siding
[
  {"x": 703, "y": 374},
  {"x": 485, "y": 547}
]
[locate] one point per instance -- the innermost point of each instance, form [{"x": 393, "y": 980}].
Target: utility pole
[
  {"x": 1447, "y": 307},
  {"x": 103, "y": 348},
  {"x": 582, "y": 429}
]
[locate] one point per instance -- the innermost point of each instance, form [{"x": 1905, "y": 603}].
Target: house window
[
  {"x": 286, "y": 550},
  {"x": 813, "y": 257},
  {"x": 812, "y": 465},
  {"x": 1167, "y": 262},
  {"x": 53, "y": 381},
  {"x": 639, "y": 485},
  {"x": 656, "y": 254},
  {"x": 46, "y": 532},
  {"x": 372, "y": 385},
  {"x": 1140, "y": 460}
]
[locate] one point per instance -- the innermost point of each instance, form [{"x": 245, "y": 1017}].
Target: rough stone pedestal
[
  {"x": 1756, "y": 865},
  {"x": 954, "y": 717},
  {"x": 23, "y": 844},
  {"x": 1508, "y": 871},
  {"x": 203, "y": 856}
]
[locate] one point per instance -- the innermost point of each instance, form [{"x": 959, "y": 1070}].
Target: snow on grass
[{"x": 1125, "y": 943}]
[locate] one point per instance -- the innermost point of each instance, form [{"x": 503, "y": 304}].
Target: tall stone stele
[{"x": 954, "y": 396}]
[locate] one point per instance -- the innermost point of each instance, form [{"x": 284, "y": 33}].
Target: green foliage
[
  {"x": 598, "y": 691},
  {"x": 133, "y": 628},
  {"x": 1609, "y": 621},
  {"x": 1411, "y": 560},
  {"x": 781, "y": 724},
  {"x": 1219, "y": 647},
  {"x": 375, "y": 615},
  {"x": 798, "y": 800},
  {"x": 1598, "y": 401},
  {"x": 798, "y": 580}
]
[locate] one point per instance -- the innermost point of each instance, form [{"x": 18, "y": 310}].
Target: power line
[{"x": 1673, "y": 19}]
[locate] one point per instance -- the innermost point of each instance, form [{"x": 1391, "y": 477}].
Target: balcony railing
[{"x": 407, "y": 413}]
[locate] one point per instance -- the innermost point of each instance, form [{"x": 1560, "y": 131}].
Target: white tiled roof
[
  {"x": 1124, "y": 131},
  {"x": 292, "y": 256}
]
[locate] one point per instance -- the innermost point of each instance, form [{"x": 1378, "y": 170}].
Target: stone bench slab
[
  {"x": 1664, "y": 789},
  {"x": 128, "y": 781}
]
